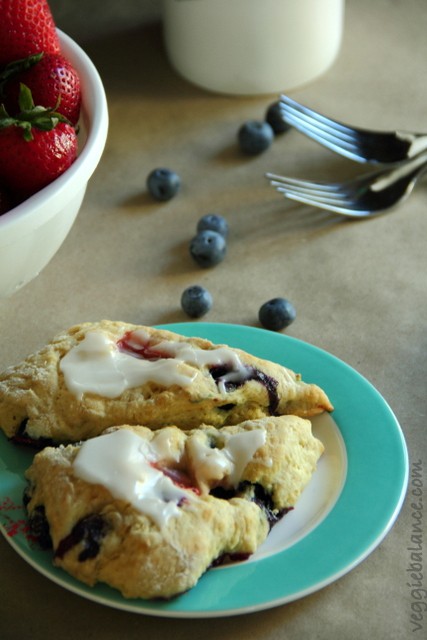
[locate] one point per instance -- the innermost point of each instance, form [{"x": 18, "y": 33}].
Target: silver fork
[
  {"x": 362, "y": 145},
  {"x": 363, "y": 197}
]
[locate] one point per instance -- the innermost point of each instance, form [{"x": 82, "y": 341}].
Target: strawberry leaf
[
  {"x": 26, "y": 102},
  {"x": 6, "y": 122},
  {"x": 46, "y": 123},
  {"x": 31, "y": 116},
  {"x": 15, "y": 68},
  {"x": 3, "y": 112},
  {"x": 26, "y": 131}
]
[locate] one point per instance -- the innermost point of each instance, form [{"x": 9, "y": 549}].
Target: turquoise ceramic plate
[{"x": 345, "y": 512}]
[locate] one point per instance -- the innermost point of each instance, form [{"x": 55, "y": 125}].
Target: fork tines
[{"x": 362, "y": 145}]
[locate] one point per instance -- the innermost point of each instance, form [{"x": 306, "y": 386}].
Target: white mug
[{"x": 251, "y": 47}]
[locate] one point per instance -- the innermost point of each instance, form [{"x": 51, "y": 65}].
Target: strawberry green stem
[{"x": 31, "y": 116}]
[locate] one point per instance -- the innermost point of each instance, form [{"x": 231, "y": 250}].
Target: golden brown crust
[
  {"x": 99, "y": 538},
  {"x": 34, "y": 396}
]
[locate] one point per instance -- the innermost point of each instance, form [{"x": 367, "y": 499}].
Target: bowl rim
[{"x": 95, "y": 108}]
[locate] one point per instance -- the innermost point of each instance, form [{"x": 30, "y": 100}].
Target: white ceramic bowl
[{"x": 32, "y": 232}]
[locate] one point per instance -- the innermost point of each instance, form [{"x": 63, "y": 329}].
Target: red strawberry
[
  {"x": 26, "y": 27},
  {"x": 53, "y": 82},
  {"x": 26, "y": 166},
  {"x": 36, "y": 147}
]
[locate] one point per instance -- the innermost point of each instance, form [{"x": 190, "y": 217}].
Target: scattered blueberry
[
  {"x": 196, "y": 301},
  {"x": 255, "y": 136},
  {"x": 276, "y": 314},
  {"x": 163, "y": 184},
  {"x": 208, "y": 248},
  {"x": 275, "y": 119},
  {"x": 213, "y": 222}
]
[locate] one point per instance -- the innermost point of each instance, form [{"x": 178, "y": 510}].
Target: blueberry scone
[
  {"x": 96, "y": 375},
  {"x": 148, "y": 512}
]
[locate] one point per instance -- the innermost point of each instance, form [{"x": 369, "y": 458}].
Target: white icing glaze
[
  {"x": 120, "y": 461},
  {"x": 97, "y": 365},
  {"x": 227, "y": 463},
  {"x": 186, "y": 352},
  {"x": 123, "y": 462},
  {"x": 161, "y": 446}
]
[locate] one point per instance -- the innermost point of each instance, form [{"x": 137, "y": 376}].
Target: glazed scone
[
  {"x": 148, "y": 512},
  {"x": 96, "y": 375}
]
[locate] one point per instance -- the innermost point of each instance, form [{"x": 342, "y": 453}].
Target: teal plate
[{"x": 348, "y": 508}]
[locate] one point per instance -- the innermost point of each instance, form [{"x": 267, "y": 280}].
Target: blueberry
[
  {"x": 87, "y": 532},
  {"x": 208, "y": 248},
  {"x": 39, "y": 527},
  {"x": 163, "y": 184},
  {"x": 255, "y": 137},
  {"x": 275, "y": 118},
  {"x": 213, "y": 222},
  {"x": 276, "y": 314},
  {"x": 196, "y": 301}
]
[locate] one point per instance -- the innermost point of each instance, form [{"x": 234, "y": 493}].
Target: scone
[
  {"x": 96, "y": 375},
  {"x": 148, "y": 512}
]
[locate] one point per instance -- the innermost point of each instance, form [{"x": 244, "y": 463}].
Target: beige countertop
[{"x": 359, "y": 287}]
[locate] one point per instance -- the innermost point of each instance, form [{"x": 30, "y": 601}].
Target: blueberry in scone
[
  {"x": 149, "y": 512},
  {"x": 100, "y": 374}
]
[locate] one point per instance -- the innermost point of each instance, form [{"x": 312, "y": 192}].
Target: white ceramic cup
[{"x": 251, "y": 47}]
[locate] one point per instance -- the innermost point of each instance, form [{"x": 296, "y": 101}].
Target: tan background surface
[{"x": 359, "y": 287}]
